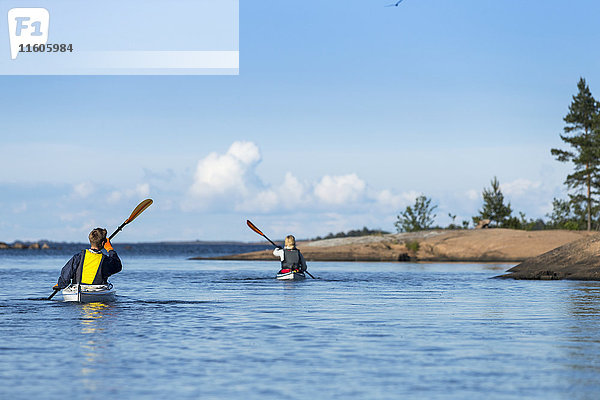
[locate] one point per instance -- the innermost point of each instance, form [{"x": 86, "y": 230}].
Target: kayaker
[
  {"x": 291, "y": 258},
  {"x": 93, "y": 265}
]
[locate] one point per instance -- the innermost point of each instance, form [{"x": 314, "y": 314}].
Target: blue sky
[{"x": 343, "y": 112}]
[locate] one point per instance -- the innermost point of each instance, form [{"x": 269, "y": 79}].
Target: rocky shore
[
  {"x": 578, "y": 260},
  {"x": 23, "y": 245},
  {"x": 478, "y": 245}
]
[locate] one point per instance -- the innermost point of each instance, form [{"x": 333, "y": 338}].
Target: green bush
[
  {"x": 418, "y": 217},
  {"x": 412, "y": 246}
]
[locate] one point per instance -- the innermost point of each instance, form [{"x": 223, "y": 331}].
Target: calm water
[{"x": 183, "y": 329}]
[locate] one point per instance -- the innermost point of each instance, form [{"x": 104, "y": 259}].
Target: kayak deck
[
  {"x": 89, "y": 293},
  {"x": 291, "y": 276}
]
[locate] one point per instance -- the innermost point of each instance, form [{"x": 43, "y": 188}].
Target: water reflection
[
  {"x": 585, "y": 299},
  {"x": 579, "y": 340},
  {"x": 93, "y": 343}
]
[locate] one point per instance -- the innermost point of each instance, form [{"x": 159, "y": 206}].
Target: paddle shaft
[
  {"x": 255, "y": 229},
  {"x": 271, "y": 242},
  {"x": 137, "y": 211},
  {"x": 134, "y": 214},
  {"x": 309, "y": 274},
  {"x": 119, "y": 229}
]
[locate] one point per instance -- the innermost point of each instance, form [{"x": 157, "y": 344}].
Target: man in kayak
[
  {"x": 291, "y": 258},
  {"x": 91, "y": 266}
]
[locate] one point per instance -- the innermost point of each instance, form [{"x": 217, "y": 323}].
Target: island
[{"x": 461, "y": 245}]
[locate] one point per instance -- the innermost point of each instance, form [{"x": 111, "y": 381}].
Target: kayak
[
  {"x": 291, "y": 276},
  {"x": 89, "y": 293}
]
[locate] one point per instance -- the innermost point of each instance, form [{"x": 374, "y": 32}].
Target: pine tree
[
  {"x": 416, "y": 218},
  {"x": 583, "y": 122},
  {"x": 494, "y": 208},
  {"x": 563, "y": 216}
]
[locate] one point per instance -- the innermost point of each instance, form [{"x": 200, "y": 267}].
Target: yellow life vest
[{"x": 91, "y": 264}]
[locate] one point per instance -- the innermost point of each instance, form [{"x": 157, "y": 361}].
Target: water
[{"x": 190, "y": 329}]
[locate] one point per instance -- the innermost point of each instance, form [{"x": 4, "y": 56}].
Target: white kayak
[
  {"x": 89, "y": 293},
  {"x": 291, "y": 276}
]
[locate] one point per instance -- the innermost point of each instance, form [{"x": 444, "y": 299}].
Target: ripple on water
[{"x": 363, "y": 330}]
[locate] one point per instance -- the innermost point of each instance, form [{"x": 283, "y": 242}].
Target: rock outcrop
[
  {"x": 579, "y": 260},
  {"x": 22, "y": 246},
  {"x": 483, "y": 224},
  {"x": 481, "y": 245}
]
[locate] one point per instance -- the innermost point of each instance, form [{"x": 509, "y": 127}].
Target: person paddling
[
  {"x": 91, "y": 266},
  {"x": 291, "y": 258}
]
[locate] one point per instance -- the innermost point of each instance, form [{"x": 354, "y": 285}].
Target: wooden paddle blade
[
  {"x": 138, "y": 210},
  {"x": 254, "y": 228}
]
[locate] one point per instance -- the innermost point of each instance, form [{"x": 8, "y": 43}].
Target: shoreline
[{"x": 476, "y": 245}]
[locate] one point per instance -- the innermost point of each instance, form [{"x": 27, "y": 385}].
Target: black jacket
[{"x": 110, "y": 265}]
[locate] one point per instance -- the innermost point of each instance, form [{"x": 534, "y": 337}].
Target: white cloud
[
  {"x": 72, "y": 216},
  {"x": 340, "y": 189},
  {"x": 83, "y": 189},
  {"x": 114, "y": 197},
  {"x": 293, "y": 192},
  {"x": 387, "y": 199},
  {"x": 228, "y": 175},
  {"x": 229, "y": 181},
  {"x": 473, "y": 194},
  {"x": 141, "y": 190},
  {"x": 519, "y": 187},
  {"x": 264, "y": 201}
]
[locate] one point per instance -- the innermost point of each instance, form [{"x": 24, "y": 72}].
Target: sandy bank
[{"x": 484, "y": 245}]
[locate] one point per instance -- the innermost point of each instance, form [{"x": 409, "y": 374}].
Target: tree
[
  {"x": 566, "y": 215},
  {"x": 416, "y": 218},
  {"x": 454, "y": 225},
  {"x": 570, "y": 215},
  {"x": 583, "y": 122},
  {"x": 494, "y": 208}
]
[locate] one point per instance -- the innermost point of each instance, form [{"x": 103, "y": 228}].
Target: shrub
[{"x": 412, "y": 245}]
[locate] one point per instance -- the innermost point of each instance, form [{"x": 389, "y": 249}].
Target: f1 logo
[{"x": 27, "y": 26}]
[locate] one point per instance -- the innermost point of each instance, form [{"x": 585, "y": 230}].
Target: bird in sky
[{"x": 395, "y": 4}]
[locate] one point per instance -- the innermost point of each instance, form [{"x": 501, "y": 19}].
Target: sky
[{"x": 342, "y": 114}]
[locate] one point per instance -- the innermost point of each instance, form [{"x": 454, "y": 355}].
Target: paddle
[
  {"x": 134, "y": 214},
  {"x": 137, "y": 211},
  {"x": 255, "y": 229}
]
